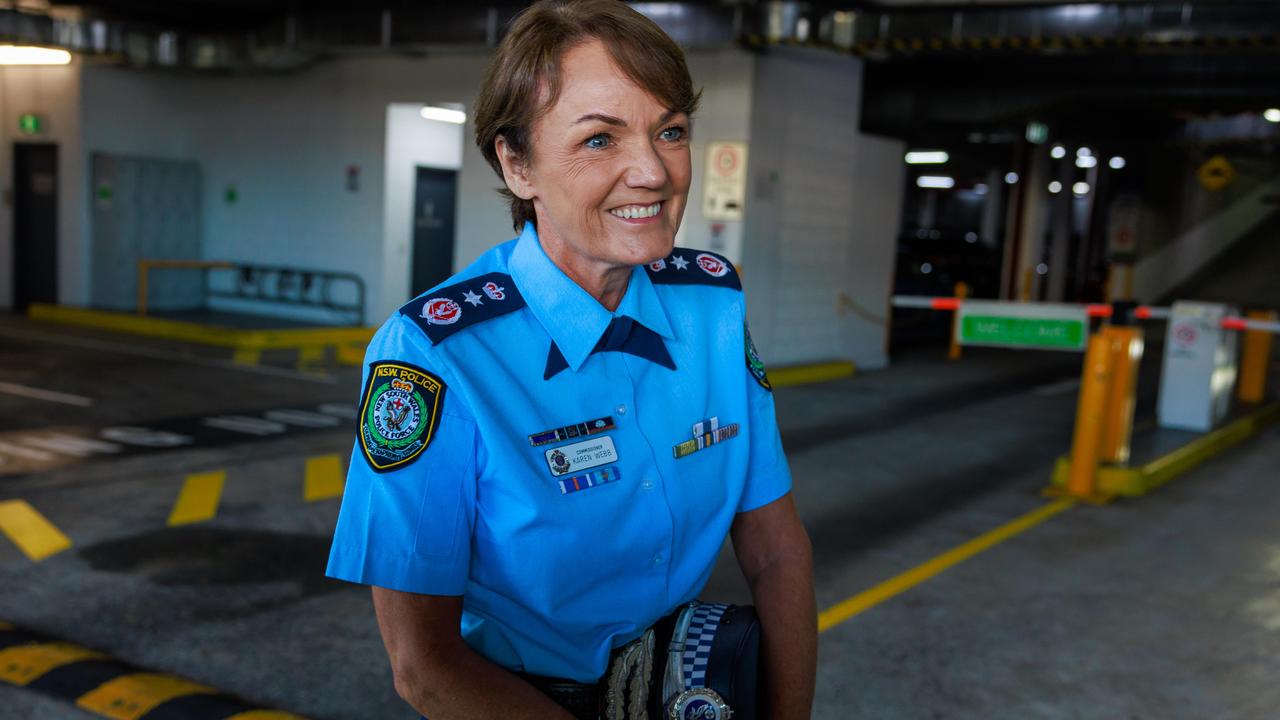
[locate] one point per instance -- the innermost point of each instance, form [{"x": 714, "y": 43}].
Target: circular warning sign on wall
[{"x": 725, "y": 189}]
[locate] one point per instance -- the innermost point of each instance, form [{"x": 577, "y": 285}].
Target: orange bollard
[
  {"x": 1086, "y": 446},
  {"x": 1126, "y": 355},
  {"x": 962, "y": 292},
  {"x": 1255, "y": 355}
]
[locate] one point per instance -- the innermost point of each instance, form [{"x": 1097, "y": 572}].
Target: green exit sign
[
  {"x": 30, "y": 124},
  {"x": 1042, "y": 326}
]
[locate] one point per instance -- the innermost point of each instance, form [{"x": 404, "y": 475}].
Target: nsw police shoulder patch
[
  {"x": 399, "y": 414},
  {"x": 754, "y": 364}
]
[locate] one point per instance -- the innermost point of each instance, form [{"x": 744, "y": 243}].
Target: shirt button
[
  {"x": 621, "y": 409},
  {"x": 647, "y": 484},
  {"x": 657, "y": 559}
]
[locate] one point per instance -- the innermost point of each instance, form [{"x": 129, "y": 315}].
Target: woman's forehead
[{"x": 592, "y": 83}]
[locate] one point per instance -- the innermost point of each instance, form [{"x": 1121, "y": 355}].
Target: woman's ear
[{"x": 515, "y": 170}]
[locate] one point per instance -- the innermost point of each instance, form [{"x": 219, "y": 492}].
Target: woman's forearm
[
  {"x": 465, "y": 685},
  {"x": 784, "y": 599}
]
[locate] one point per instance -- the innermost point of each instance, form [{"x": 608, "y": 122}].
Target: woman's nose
[{"x": 645, "y": 168}]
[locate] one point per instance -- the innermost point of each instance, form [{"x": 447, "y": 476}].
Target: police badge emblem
[
  {"x": 754, "y": 363},
  {"x": 399, "y": 413},
  {"x": 700, "y": 704},
  {"x": 559, "y": 463}
]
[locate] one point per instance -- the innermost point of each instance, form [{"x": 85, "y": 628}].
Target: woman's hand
[
  {"x": 439, "y": 674},
  {"x": 774, "y": 553}
]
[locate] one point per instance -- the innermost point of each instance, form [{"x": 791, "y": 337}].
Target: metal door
[
  {"x": 145, "y": 208},
  {"x": 434, "y": 199},
  {"x": 35, "y": 224}
]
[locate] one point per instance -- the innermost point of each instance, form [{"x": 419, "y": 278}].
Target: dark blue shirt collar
[{"x": 575, "y": 320}]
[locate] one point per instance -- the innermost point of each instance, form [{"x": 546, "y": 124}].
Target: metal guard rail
[{"x": 292, "y": 286}]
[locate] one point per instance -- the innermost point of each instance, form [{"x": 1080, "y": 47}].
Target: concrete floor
[{"x": 1167, "y": 607}]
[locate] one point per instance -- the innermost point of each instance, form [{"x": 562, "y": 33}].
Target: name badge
[{"x": 581, "y": 456}]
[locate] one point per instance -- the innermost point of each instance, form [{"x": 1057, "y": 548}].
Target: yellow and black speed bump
[{"x": 112, "y": 688}]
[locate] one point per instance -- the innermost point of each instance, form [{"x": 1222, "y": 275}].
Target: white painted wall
[
  {"x": 822, "y": 206},
  {"x": 53, "y": 94},
  {"x": 411, "y": 142},
  {"x": 725, "y": 78},
  {"x": 284, "y": 143},
  {"x": 822, "y": 214}
]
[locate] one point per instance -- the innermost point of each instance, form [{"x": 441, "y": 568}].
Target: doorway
[
  {"x": 434, "y": 201},
  {"x": 35, "y": 224}
]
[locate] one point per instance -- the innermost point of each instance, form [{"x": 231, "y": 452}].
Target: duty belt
[{"x": 698, "y": 663}]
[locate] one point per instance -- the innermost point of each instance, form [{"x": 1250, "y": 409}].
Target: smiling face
[{"x": 609, "y": 168}]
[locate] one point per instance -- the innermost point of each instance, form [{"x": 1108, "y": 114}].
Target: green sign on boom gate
[{"x": 1044, "y": 326}]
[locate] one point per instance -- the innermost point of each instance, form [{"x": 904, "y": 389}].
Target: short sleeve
[
  {"x": 408, "y": 508},
  {"x": 768, "y": 474}
]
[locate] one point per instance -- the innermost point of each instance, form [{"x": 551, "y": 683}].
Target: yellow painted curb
[
  {"x": 1140, "y": 480},
  {"x": 815, "y": 373}
]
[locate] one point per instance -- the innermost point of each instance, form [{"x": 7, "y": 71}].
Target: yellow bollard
[
  {"x": 1086, "y": 446},
  {"x": 1255, "y": 355},
  {"x": 1126, "y": 355},
  {"x": 962, "y": 292}
]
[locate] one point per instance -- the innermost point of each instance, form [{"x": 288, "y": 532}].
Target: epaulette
[
  {"x": 444, "y": 311},
  {"x": 694, "y": 267}
]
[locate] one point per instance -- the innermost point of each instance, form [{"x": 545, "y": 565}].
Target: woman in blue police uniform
[{"x": 554, "y": 444}]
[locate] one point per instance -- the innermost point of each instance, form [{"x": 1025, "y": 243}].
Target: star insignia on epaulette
[
  {"x": 472, "y": 298},
  {"x": 679, "y": 262}
]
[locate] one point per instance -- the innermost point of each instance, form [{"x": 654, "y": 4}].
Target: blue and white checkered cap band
[{"x": 697, "y": 645}]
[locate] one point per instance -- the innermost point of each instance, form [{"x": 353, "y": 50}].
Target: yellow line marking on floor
[
  {"x": 21, "y": 664},
  {"x": 860, "y": 603},
  {"x": 129, "y": 697},
  {"x": 265, "y": 715},
  {"x": 5, "y": 626},
  {"x": 199, "y": 498},
  {"x": 324, "y": 478},
  {"x": 30, "y": 531}
]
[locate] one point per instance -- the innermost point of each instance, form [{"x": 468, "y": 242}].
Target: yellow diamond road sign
[{"x": 1216, "y": 173}]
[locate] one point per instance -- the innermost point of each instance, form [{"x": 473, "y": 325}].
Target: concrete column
[
  {"x": 1030, "y": 223},
  {"x": 991, "y": 206},
  {"x": 1060, "y": 216}
]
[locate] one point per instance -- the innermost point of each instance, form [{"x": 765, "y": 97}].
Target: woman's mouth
[{"x": 637, "y": 213}]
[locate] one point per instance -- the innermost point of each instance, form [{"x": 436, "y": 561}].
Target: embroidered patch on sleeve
[
  {"x": 399, "y": 414},
  {"x": 754, "y": 363}
]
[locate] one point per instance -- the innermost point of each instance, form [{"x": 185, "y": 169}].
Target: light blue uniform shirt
[{"x": 559, "y": 556}]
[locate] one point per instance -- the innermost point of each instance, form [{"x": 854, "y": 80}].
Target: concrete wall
[
  {"x": 822, "y": 214},
  {"x": 52, "y": 93},
  {"x": 725, "y": 78},
  {"x": 284, "y": 143},
  {"x": 822, "y": 207},
  {"x": 411, "y": 141}
]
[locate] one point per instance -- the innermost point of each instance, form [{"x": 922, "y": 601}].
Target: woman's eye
[
  {"x": 673, "y": 134},
  {"x": 598, "y": 142}
]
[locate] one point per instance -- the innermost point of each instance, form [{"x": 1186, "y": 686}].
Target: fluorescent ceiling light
[
  {"x": 1058, "y": 152},
  {"x": 941, "y": 182},
  {"x": 1117, "y": 163},
  {"x": 1086, "y": 161},
  {"x": 31, "y": 55},
  {"x": 1011, "y": 178},
  {"x": 1084, "y": 152},
  {"x": 1272, "y": 115},
  {"x": 1055, "y": 187},
  {"x": 927, "y": 157},
  {"x": 1080, "y": 188},
  {"x": 431, "y": 112}
]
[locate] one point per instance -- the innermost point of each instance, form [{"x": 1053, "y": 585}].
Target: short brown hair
[{"x": 529, "y": 57}]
